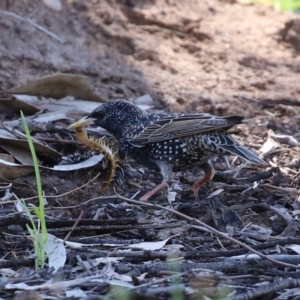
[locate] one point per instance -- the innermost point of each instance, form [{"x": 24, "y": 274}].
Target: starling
[{"x": 169, "y": 141}]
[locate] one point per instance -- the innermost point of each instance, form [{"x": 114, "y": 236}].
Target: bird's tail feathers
[
  {"x": 243, "y": 153},
  {"x": 230, "y": 145}
]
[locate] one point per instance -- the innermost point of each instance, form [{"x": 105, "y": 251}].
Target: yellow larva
[{"x": 100, "y": 146}]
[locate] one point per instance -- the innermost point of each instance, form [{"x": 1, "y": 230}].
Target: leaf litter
[{"x": 149, "y": 250}]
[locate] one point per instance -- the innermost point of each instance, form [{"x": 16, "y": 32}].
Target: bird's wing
[{"x": 172, "y": 126}]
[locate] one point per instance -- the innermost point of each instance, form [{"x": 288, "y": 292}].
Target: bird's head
[{"x": 114, "y": 116}]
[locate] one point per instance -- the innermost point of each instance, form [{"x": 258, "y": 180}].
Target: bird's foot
[
  {"x": 209, "y": 174},
  {"x": 195, "y": 189},
  {"x": 154, "y": 191}
]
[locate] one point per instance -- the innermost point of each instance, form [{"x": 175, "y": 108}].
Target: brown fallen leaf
[
  {"x": 10, "y": 170},
  {"x": 16, "y": 104},
  {"x": 58, "y": 86},
  {"x": 23, "y": 144}
]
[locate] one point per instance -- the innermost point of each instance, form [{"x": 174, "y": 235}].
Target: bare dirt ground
[{"x": 221, "y": 57}]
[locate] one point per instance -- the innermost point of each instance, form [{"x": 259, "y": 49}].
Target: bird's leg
[
  {"x": 154, "y": 191},
  {"x": 166, "y": 171},
  {"x": 209, "y": 174}
]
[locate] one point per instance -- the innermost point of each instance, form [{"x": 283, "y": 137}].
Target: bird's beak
[{"x": 82, "y": 123}]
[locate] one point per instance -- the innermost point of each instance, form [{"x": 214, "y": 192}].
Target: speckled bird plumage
[{"x": 169, "y": 141}]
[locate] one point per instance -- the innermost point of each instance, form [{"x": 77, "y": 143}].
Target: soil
[{"x": 221, "y": 57}]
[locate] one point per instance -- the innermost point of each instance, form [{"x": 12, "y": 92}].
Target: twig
[
  {"x": 86, "y": 202},
  {"x": 282, "y": 189},
  {"x": 271, "y": 288},
  {"x": 39, "y": 27},
  {"x": 74, "y": 226},
  {"x": 215, "y": 231},
  {"x": 60, "y": 195}
]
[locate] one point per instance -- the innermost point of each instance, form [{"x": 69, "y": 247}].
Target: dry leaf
[
  {"x": 23, "y": 144},
  {"x": 67, "y": 105},
  {"x": 10, "y": 170},
  {"x": 22, "y": 155},
  {"x": 269, "y": 144},
  {"x": 90, "y": 162},
  {"x": 7, "y": 157},
  {"x": 58, "y": 86},
  {"x": 16, "y": 104},
  {"x": 151, "y": 245},
  {"x": 294, "y": 247},
  {"x": 56, "y": 252}
]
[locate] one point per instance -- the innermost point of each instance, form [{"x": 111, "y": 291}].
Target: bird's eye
[{"x": 100, "y": 114}]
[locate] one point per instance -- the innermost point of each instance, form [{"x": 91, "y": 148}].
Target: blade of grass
[{"x": 40, "y": 240}]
